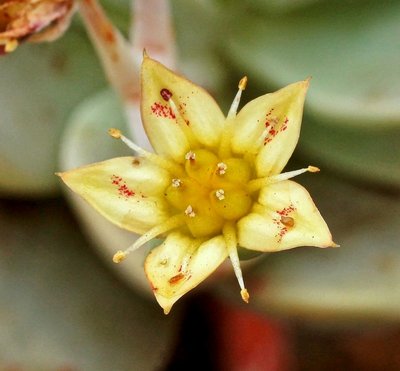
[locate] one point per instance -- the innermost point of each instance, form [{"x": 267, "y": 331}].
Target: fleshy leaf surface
[
  {"x": 353, "y": 57},
  {"x": 370, "y": 155}
]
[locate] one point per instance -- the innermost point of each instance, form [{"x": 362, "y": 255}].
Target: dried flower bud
[{"x": 33, "y": 20}]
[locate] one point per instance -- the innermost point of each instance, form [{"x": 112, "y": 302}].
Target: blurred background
[{"x": 64, "y": 306}]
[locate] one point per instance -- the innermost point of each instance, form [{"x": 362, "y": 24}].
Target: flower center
[{"x": 211, "y": 192}]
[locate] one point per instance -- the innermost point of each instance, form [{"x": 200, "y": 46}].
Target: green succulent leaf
[
  {"x": 351, "y": 50},
  {"x": 368, "y": 155},
  {"x": 39, "y": 86}
]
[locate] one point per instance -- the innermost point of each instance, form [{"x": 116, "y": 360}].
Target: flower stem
[
  {"x": 152, "y": 30},
  {"x": 119, "y": 63}
]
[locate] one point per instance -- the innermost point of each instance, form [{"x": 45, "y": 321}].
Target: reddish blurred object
[
  {"x": 361, "y": 348},
  {"x": 250, "y": 341}
]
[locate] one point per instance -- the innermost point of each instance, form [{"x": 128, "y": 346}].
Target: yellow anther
[
  {"x": 243, "y": 83},
  {"x": 220, "y": 194},
  {"x": 190, "y": 156},
  {"x": 221, "y": 168},
  {"x": 245, "y": 295},
  {"x": 313, "y": 169},
  {"x": 115, "y": 133},
  {"x": 189, "y": 212},
  {"x": 119, "y": 256},
  {"x": 176, "y": 183}
]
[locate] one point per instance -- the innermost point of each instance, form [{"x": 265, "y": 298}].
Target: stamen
[
  {"x": 180, "y": 119},
  {"x": 221, "y": 168},
  {"x": 288, "y": 221},
  {"x": 176, "y": 111},
  {"x": 176, "y": 183},
  {"x": 189, "y": 212},
  {"x": 256, "y": 184},
  {"x": 115, "y": 133},
  {"x": 172, "y": 223},
  {"x": 231, "y": 244},
  {"x": 166, "y": 94},
  {"x": 119, "y": 256},
  {"x": 236, "y": 100},
  {"x": 224, "y": 146},
  {"x": 158, "y": 160},
  {"x": 190, "y": 156},
  {"x": 291, "y": 174},
  {"x": 220, "y": 194}
]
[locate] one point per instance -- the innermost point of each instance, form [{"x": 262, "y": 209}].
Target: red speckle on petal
[
  {"x": 283, "y": 221},
  {"x": 286, "y": 210},
  {"x": 121, "y": 186},
  {"x": 182, "y": 111},
  {"x": 163, "y": 111},
  {"x": 285, "y": 124},
  {"x": 175, "y": 279},
  {"x": 274, "y": 126}
]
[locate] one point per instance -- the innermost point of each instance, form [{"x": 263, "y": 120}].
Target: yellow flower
[
  {"x": 35, "y": 20},
  {"x": 213, "y": 184}
]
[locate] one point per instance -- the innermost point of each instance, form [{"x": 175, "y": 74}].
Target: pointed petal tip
[
  {"x": 167, "y": 310},
  {"x": 306, "y": 83},
  {"x": 302, "y": 84},
  {"x": 63, "y": 175},
  {"x": 330, "y": 244},
  {"x": 245, "y": 295}
]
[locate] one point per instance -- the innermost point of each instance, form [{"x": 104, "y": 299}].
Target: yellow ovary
[{"x": 211, "y": 192}]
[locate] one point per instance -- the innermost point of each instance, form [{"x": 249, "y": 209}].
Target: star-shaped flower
[
  {"x": 214, "y": 183},
  {"x": 35, "y": 20}
]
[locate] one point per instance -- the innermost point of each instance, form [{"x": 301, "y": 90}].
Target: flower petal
[
  {"x": 176, "y": 113},
  {"x": 268, "y": 127},
  {"x": 126, "y": 190},
  {"x": 286, "y": 217},
  {"x": 180, "y": 263}
]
